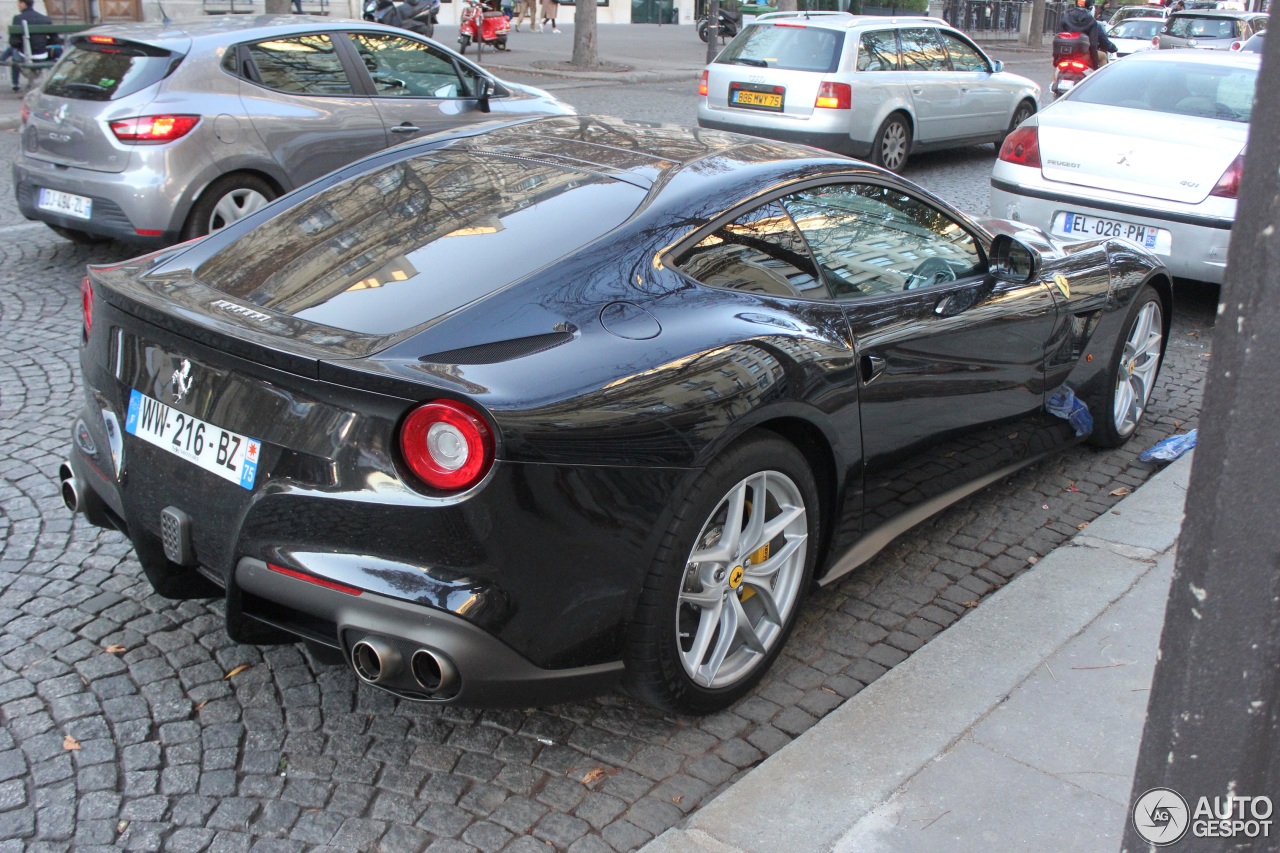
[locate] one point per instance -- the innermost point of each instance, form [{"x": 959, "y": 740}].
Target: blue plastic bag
[
  {"x": 1065, "y": 404},
  {"x": 1170, "y": 449}
]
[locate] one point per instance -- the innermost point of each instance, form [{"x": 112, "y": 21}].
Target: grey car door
[
  {"x": 417, "y": 88},
  {"x": 303, "y": 105},
  {"x": 985, "y": 107},
  {"x": 935, "y": 94}
]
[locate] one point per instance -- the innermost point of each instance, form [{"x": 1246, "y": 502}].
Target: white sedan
[
  {"x": 1148, "y": 150},
  {"x": 1134, "y": 35}
]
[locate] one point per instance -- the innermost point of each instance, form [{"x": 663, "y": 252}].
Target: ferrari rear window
[{"x": 398, "y": 247}]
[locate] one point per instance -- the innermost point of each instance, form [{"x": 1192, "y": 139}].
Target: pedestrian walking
[
  {"x": 549, "y": 10},
  {"x": 525, "y": 11},
  {"x": 39, "y": 42}
]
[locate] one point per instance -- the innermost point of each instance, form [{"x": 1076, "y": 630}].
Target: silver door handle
[{"x": 404, "y": 128}]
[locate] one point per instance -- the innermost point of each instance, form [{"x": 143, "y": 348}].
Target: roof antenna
[{"x": 164, "y": 16}]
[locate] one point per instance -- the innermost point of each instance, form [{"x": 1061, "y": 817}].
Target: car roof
[
  {"x": 848, "y": 21},
  {"x": 1217, "y": 13},
  {"x": 226, "y": 29},
  {"x": 1200, "y": 57}
]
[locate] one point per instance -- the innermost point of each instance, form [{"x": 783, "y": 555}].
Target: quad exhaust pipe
[
  {"x": 376, "y": 661},
  {"x": 69, "y": 488}
]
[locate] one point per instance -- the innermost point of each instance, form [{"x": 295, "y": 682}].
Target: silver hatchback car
[
  {"x": 156, "y": 133},
  {"x": 874, "y": 87}
]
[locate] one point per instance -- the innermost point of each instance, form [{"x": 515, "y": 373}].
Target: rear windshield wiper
[{"x": 757, "y": 63}]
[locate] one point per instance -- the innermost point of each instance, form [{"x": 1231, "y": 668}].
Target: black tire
[
  {"x": 1109, "y": 428},
  {"x": 501, "y": 43},
  {"x": 206, "y": 216},
  {"x": 892, "y": 144},
  {"x": 1025, "y": 110},
  {"x": 463, "y": 41},
  {"x": 656, "y": 670},
  {"x": 704, "y": 32},
  {"x": 84, "y": 238}
]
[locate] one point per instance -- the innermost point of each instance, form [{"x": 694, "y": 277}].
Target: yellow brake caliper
[{"x": 754, "y": 560}]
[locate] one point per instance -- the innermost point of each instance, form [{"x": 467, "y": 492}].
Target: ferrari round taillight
[
  {"x": 1022, "y": 147},
  {"x": 447, "y": 445},
  {"x": 86, "y": 304}
]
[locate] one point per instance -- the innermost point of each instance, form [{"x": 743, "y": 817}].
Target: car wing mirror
[
  {"x": 996, "y": 66},
  {"x": 484, "y": 91},
  {"x": 1012, "y": 261}
]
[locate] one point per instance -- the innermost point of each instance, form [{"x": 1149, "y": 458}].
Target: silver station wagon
[
  {"x": 155, "y": 133},
  {"x": 874, "y": 87}
]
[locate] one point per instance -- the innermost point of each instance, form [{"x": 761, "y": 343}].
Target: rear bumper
[
  {"x": 839, "y": 142},
  {"x": 1199, "y": 242},
  {"x": 121, "y": 206},
  {"x": 488, "y": 672}
]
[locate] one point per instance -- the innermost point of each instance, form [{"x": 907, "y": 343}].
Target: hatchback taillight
[
  {"x": 1022, "y": 148},
  {"x": 702, "y": 84},
  {"x": 153, "y": 128},
  {"x": 834, "y": 96},
  {"x": 86, "y": 304},
  {"x": 447, "y": 445},
  {"x": 1228, "y": 185}
]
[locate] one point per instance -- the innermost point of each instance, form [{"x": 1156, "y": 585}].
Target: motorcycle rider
[{"x": 1080, "y": 19}]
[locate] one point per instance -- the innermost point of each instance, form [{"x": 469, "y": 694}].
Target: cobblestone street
[{"x": 132, "y": 721}]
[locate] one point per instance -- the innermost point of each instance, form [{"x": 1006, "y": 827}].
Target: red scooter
[{"x": 482, "y": 25}]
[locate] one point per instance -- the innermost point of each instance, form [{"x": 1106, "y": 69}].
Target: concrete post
[{"x": 1212, "y": 723}]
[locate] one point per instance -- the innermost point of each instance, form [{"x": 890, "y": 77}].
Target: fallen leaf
[
  {"x": 969, "y": 604},
  {"x": 241, "y": 668},
  {"x": 1045, "y": 506},
  {"x": 829, "y": 690},
  {"x": 1071, "y": 488},
  {"x": 70, "y": 743},
  {"x": 1033, "y": 560},
  {"x": 1082, "y": 525},
  {"x": 1206, "y": 355},
  {"x": 115, "y": 649},
  {"x": 1177, "y": 425},
  {"x": 593, "y": 776},
  {"x": 678, "y": 800},
  {"x": 1012, "y": 436},
  {"x": 122, "y": 826},
  {"x": 1120, "y": 492},
  {"x": 201, "y": 705}
]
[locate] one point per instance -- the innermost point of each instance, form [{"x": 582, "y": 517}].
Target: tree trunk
[
  {"x": 713, "y": 30},
  {"x": 585, "y": 53},
  {"x": 1035, "y": 33},
  {"x": 278, "y": 7}
]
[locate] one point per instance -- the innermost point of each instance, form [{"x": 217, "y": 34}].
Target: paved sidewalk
[{"x": 1016, "y": 729}]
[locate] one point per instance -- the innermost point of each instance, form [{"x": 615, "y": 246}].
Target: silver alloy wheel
[
  {"x": 893, "y": 146},
  {"x": 234, "y": 206},
  {"x": 742, "y": 579},
  {"x": 1137, "y": 370},
  {"x": 1024, "y": 112}
]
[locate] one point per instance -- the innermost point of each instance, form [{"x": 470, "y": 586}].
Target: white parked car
[
  {"x": 875, "y": 87},
  {"x": 1134, "y": 35},
  {"x": 1149, "y": 150}
]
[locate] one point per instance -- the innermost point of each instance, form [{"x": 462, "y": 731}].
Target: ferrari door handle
[
  {"x": 405, "y": 128},
  {"x": 870, "y": 366}
]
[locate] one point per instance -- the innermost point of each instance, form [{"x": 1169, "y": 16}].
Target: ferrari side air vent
[{"x": 500, "y": 350}]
